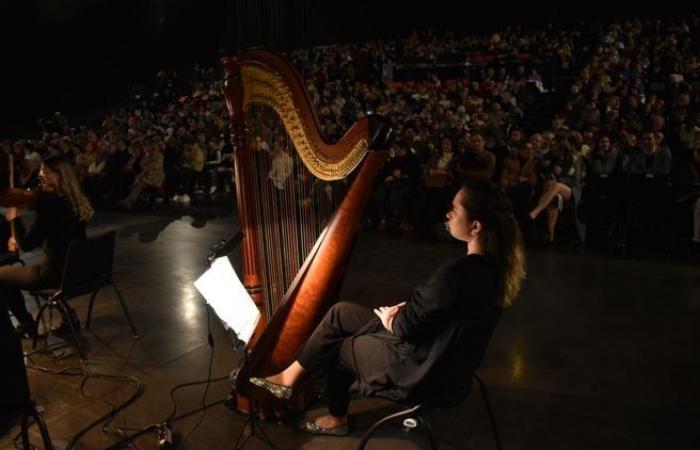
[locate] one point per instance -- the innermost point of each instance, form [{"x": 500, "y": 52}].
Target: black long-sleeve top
[
  {"x": 460, "y": 291},
  {"x": 408, "y": 165},
  {"x": 55, "y": 226},
  {"x": 463, "y": 288}
]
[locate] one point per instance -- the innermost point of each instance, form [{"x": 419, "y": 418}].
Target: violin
[{"x": 16, "y": 197}]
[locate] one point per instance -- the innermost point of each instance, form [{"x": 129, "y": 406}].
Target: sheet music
[{"x": 227, "y": 296}]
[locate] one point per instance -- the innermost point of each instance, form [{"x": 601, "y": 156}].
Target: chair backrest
[
  {"x": 450, "y": 381},
  {"x": 88, "y": 264}
]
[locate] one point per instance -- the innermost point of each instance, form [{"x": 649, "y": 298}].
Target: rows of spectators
[
  {"x": 169, "y": 141},
  {"x": 635, "y": 106},
  {"x": 626, "y": 140}
]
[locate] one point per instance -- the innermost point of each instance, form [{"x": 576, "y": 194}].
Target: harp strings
[{"x": 292, "y": 206}]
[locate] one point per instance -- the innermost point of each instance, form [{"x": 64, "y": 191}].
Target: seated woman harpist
[{"x": 392, "y": 349}]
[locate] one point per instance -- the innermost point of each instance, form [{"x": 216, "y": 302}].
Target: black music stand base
[
  {"x": 256, "y": 431},
  {"x": 221, "y": 249}
]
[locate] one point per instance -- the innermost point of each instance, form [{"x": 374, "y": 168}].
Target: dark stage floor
[{"x": 598, "y": 352}]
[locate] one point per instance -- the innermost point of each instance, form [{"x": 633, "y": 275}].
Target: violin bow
[{"x": 11, "y": 173}]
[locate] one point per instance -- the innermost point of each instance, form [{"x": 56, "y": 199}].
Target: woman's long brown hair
[
  {"x": 487, "y": 203},
  {"x": 69, "y": 186}
]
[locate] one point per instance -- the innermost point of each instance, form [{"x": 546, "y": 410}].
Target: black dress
[{"x": 353, "y": 346}]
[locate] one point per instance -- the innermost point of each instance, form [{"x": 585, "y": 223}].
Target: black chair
[
  {"x": 87, "y": 269},
  {"x": 470, "y": 342}
]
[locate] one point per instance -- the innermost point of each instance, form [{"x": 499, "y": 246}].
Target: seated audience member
[
  {"x": 440, "y": 181},
  {"x": 400, "y": 183},
  {"x": 603, "y": 159},
  {"x": 496, "y": 146},
  {"x": 219, "y": 166},
  {"x": 559, "y": 181},
  {"x": 93, "y": 182},
  {"x": 192, "y": 166},
  {"x": 152, "y": 174},
  {"x": 477, "y": 162},
  {"x": 651, "y": 161},
  {"x": 603, "y": 194},
  {"x": 125, "y": 176},
  {"x": 649, "y": 168},
  {"x": 519, "y": 178},
  {"x": 117, "y": 160}
]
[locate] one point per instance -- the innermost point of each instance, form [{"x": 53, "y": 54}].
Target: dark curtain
[{"x": 288, "y": 24}]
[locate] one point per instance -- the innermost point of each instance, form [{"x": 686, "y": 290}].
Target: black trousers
[
  {"x": 14, "y": 391},
  {"x": 330, "y": 350},
  {"x": 186, "y": 180},
  {"x": 15, "y": 278}
]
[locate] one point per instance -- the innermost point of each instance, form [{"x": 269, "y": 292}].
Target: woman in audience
[
  {"x": 152, "y": 174},
  {"x": 558, "y": 184},
  {"x": 440, "y": 180}
]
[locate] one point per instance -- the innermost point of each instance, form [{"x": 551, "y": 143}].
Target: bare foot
[{"x": 329, "y": 421}]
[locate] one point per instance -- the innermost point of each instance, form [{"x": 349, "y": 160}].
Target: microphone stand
[{"x": 223, "y": 248}]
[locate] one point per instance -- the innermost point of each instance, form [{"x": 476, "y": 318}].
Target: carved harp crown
[{"x": 300, "y": 201}]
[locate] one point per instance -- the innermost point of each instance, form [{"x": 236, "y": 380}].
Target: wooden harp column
[{"x": 262, "y": 78}]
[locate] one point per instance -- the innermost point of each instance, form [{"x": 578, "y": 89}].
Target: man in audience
[
  {"x": 651, "y": 161},
  {"x": 477, "y": 162}
]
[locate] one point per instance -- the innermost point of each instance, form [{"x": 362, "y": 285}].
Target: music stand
[{"x": 224, "y": 292}]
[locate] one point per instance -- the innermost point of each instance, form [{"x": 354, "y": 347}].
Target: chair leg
[
  {"x": 39, "y": 316},
  {"x": 407, "y": 412},
  {"x": 487, "y": 403},
  {"x": 63, "y": 309},
  {"x": 43, "y": 429},
  {"x": 134, "y": 333},
  {"x": 429, "y": 432},
  {"x": 26, "y": 445},
  {"x": 38, "y": 307},
  {"x": 89, "y": 314}
]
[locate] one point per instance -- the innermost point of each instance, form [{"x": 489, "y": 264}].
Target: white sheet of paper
[{"x": 224, "y": 291}]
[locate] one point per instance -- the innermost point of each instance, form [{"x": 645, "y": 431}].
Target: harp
[{"x": 300, "y": 200}]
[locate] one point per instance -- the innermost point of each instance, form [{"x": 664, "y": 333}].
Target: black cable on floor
[
  {"x": 210, "y": 340},
  {"x": 107, "y": 418},
  {"x": 87, "y": 375},
  {"x": 172, "y": 417},
  {"x": 151, "y": 428}
]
